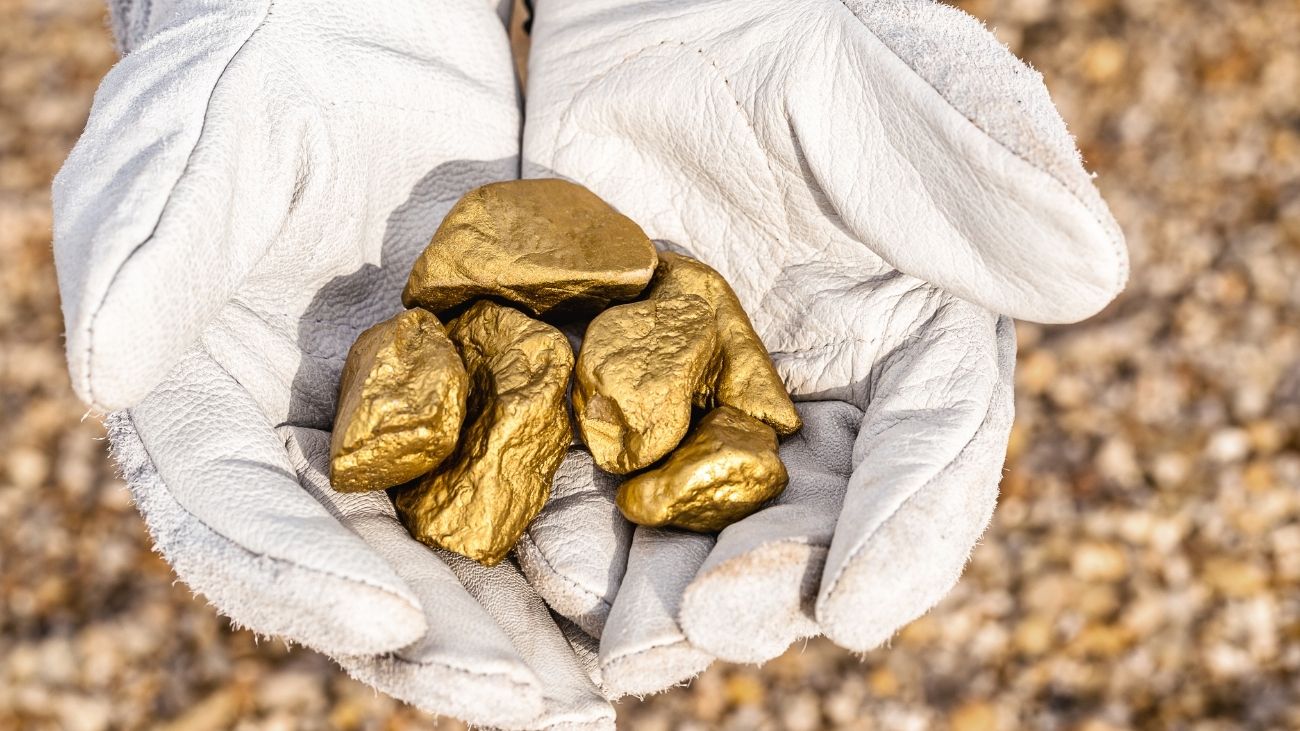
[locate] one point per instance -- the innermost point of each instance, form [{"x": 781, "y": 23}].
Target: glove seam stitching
[
  {"x": 683, "y": 642},
  {"x": 605, "y": 603},
  {"x": 1116, "y": 247},
  {"x": 826, "y": 346},
  {"x": 397, "y": 657}
]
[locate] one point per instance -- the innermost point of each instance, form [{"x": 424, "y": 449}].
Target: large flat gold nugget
[
  {"x": 748, "y": 380},
  {"x": 642, "y": 367},
  {"x": 401, "y": 404},
  {"x": 550, "y": 246},
  {"x": 479, "y": 502},
  {"x": 725, "y": 470}
]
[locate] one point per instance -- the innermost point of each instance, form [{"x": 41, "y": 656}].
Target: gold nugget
[
  {"x": 642, "y": 367},
  {"x": 747, "y": 380},
  {"x": 725, "y": 470},
  {"x": 550, "y": 246},
  {"x": 479, "y": 502},
  {"x": 401, "y": 404},
  {"x": 640, "y": 371}
]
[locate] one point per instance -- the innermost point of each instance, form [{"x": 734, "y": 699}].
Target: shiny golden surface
[
  {"x": 726, "y": 469},
  {"x": 550, "y": 246},
  {"x": 642, "y": 367},
  {"x": 401, "y": 404},
  {"x": 479, "y": 502},
  {"x": 747, "y": 380}
]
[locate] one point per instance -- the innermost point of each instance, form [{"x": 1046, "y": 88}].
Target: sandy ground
[{"x": 1143, "y": 569}]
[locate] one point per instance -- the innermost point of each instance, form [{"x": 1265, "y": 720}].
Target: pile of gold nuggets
[{"x": 469, "y": 422}]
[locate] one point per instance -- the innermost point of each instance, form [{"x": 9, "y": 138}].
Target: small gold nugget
[
  {"x": 481, "y": 500},
  {"x": 401, "y": 404},
  {"x": 550, "y": 246},
  {"x": 642, "y": 367},
  {"x": 725, "y": 470},
  {"x": 748, "y": 380}
]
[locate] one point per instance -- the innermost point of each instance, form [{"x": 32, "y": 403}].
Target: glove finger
[
  {"x": 464, "y": 665},
  {"x": 754, "y": 594},
  {"x": 575, "y": 552},
  {"x": 987, "y": 195},
  {"x": 168, "y": 199},
  {"x": 570, "y": 698},
  {"x": 490, "y": 636},
  {"x": 643, "y": 649},
  {"x": 927, "y": 464},
  {"x": 225, "y": 509}
]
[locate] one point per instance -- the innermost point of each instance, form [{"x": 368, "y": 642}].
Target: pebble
[
  {"x": 1228, "y": 445},
  {"x": 1099, "y": 562}
]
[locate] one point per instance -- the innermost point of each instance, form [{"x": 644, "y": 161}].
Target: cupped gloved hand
[
  {"x": 885, "y": 186},
  {"x": 252, "y": 186}
]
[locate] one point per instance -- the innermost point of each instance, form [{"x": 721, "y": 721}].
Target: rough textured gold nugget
[
  {"x": 550, "y": 246},
  {"x": 725, "y": 470},
  {"x": 641, "y": 369},
  {"x": 401, "y": 404},
  {"x": 747, "y": 379},
  {"x": 481, "y": 500},
  {"x": 643, "y": 366}
]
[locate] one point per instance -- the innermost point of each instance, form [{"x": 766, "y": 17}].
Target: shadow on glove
[{"x": 349, "y": 303}]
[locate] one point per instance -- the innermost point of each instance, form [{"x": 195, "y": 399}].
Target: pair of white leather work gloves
[{"x": 883, "y": 184}]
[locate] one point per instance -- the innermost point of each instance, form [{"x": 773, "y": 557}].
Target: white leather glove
[
  {"x": 250, "y": 191},
  {"x": 884, "y": 185}
]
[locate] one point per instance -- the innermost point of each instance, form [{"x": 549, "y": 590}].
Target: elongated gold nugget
[
  {"x": 725, "y": 470},
  {"x": 481, "y": 500},
  {"x": 641, "y": 369},
  {"x": 550, "y": 246},
  {"x": 747, "y": 380},
  {"x": 401, "y": 404}
]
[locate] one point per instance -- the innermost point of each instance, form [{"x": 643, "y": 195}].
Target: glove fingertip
[
  {"x": 586, "y": 609},
  {"x": 749, "y": 609},
  {"x": 909, "y": 526},
  {"x": 652, "y": 669},
  {"x": 907, "y": 566}
]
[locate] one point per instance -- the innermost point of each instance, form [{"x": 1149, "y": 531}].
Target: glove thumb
[
  {"x": 167, "y": 201},
  {"x": 963, "y": 173}
]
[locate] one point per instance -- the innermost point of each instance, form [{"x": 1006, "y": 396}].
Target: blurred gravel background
[{"x": 1143, "y": 570}]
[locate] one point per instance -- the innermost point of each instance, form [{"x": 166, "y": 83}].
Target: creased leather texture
[
  {"x": 581, "y": 495},
  {"x": 883, "y": 199},
  {"x": 251, "y": 189},
  {"x": 359, "y": 128}
]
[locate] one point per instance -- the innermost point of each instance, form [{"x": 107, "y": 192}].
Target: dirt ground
[{"x": 1143, "y": 569}]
